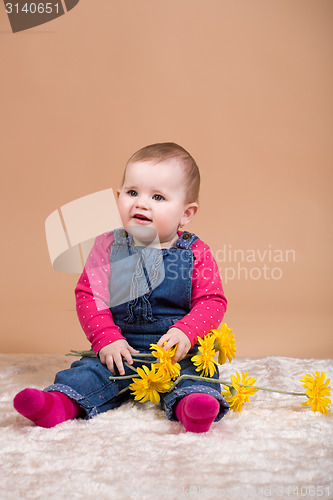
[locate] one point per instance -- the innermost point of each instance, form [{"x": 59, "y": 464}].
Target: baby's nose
[{"x": 142, "y": 202}]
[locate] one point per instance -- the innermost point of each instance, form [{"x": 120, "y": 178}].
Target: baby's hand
[
  {"x": 114, "y": 353},
  {"x": 176, "y": 336}
]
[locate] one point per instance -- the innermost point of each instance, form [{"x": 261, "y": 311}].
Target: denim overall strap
[
  {"x": 185, "y": 240},
  {"x": 121, "y": 237}
]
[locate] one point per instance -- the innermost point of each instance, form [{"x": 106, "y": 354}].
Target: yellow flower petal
[
  {"x": 224, "y": 343},
  {"x": 150, "y": 384},
  {"x": 318, "y": 391},
  {"x": 204, "y": 361},
  {"x": 165, "y": 360},
  {"x": 241, "y": 396}
]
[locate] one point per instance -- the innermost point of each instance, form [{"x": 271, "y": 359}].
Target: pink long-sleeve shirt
[{"x": 208, "y": 303}]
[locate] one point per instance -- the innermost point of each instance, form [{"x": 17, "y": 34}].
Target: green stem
[
  {"x": 275, "y": 390},
  {"x": 91, "y": 354},
  {"x": 143, "y": 355},
  {"x": 123, "y": 377},
  {"x": 228, "y": 384},
  {"x": 131, "y": 367},
  {"x": 123, "y": 390},
  {"x": 141, "y": 360},
  {"x": 87, "y": 354},
  {"x": 197, "y": 377}
]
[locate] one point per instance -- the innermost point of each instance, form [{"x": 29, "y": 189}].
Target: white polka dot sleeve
[
  {"x": 208, "y": 303},
  {"x": 93, "y": 297}
]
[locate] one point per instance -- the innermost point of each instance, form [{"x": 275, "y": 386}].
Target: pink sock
[
  {"x": 46, "y": 409},
  {"x": 197, "y": 411}
]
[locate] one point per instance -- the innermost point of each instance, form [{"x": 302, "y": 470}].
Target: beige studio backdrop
[{"x": 244, "y": 85}]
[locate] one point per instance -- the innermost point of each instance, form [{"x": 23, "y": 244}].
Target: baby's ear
[
  {"x": 118, "y": 192},
  {"x": 189, "y": 212}
]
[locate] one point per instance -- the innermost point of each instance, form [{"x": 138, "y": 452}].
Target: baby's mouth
[{"x": 141, "y": 218}]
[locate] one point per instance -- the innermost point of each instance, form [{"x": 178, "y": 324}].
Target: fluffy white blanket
[{"x": 274, "y": 448}]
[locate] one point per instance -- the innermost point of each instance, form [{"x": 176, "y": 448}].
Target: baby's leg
[
  {"x": 46, "y": 409},
  {"x": 195, "y": 403},
  {"x": 84, "y": 390}
]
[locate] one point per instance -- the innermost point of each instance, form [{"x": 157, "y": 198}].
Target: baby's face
[{"x": 153, "y": 196}]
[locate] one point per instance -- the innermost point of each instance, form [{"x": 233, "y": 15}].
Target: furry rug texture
[{"x": 274, "y": 448}]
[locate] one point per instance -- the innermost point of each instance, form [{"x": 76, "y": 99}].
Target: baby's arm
[{"x": 92, "y": 306}]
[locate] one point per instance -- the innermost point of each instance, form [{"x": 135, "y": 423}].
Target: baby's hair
[{"x": 163, "y": 151}]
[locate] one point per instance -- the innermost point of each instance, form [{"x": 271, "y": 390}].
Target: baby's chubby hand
[
  {"x": 114, "y": 353},
  {"x": 176, "y": 336}
]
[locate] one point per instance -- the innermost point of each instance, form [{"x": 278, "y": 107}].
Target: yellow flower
[
  {"x": 318, "y": 391},
  {"x": 238, "y": 395},
  {"x": 147, "y": 387},
  {"x": 205, "y": 360},
  {"x": 165, "y": 360},
  {"x": 224, "y": 343}
]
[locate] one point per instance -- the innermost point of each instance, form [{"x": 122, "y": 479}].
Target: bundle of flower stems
[{"x": 163, "y": 375}]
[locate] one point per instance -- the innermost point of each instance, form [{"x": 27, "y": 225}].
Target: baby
[{"x": 145, "y": 283}]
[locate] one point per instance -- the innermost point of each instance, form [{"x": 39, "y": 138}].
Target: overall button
[{"x": 186, "y": 236}]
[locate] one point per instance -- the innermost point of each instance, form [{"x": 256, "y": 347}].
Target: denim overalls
[{"x": 151, "y": 290}]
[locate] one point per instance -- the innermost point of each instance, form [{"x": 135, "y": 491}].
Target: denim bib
[{"x": 150, "y": 288}]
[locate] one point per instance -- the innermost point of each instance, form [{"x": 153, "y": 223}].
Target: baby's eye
[
  {"x": 131, "y": 192},
  {"x": 158, "y": 197}
]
